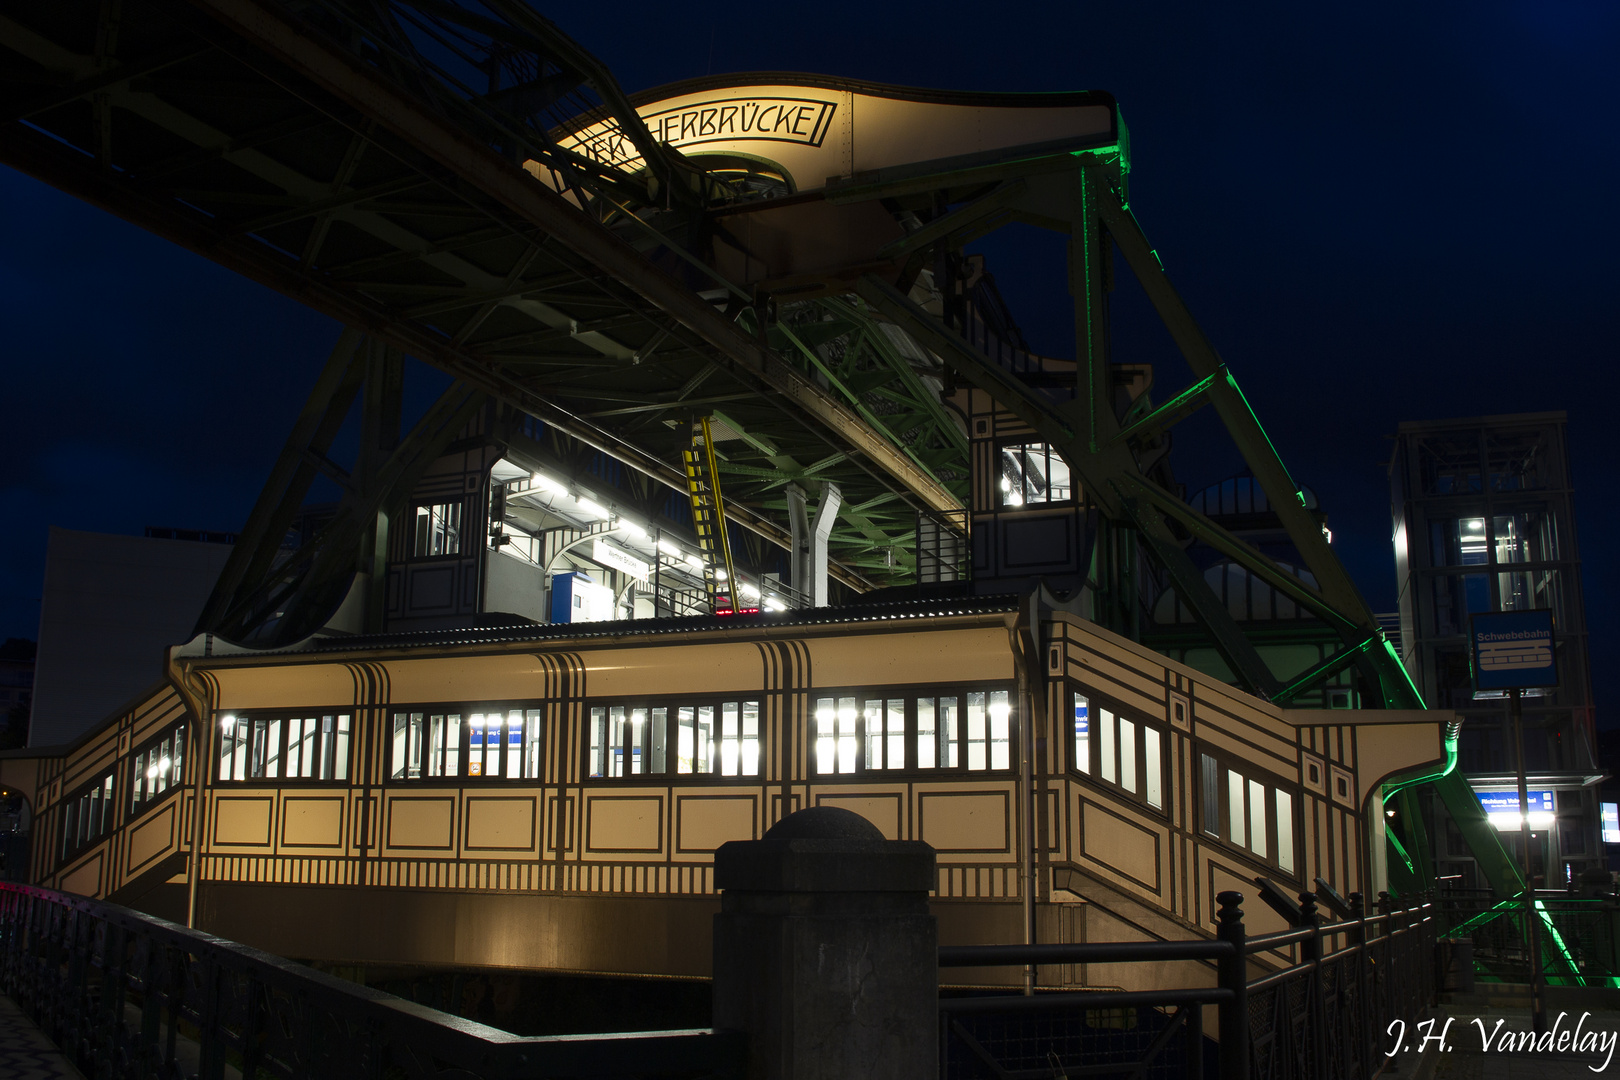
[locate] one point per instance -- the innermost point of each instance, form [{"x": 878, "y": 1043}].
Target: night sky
[{"x": 1378, "y": 213}]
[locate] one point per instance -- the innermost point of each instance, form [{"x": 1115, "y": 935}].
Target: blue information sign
[
  {"x": 1507, "y": 802},
  {"x": 1513, "y": 650}
]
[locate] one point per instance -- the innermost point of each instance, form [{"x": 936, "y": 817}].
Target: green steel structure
[{"x": 378, "y": 161}]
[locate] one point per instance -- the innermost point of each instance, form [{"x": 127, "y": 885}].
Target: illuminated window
[
  {"x": 87, "y": 816},
  {"x": 937, "y": 733},
  {"x": 885, "y": 723},
  {"x": 1081, "y": 711},
  {"x": 1247, "y": 811},
  {"x": 158, "y": 767},
  {"x": 475, "y": 743},
  {"x": 1033, "y": 473},
  {"x": 302, "y": 747},
  {"x": 627, "y": 741},
  {"x": 1120, "y": 752},
  {"x": 438, "y": 530},
  {"x": 868, "y": 732},
  {"x": 719, "y": 738},
  {"x": 836, "y": 741}
]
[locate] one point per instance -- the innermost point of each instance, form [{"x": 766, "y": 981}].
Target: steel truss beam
[
  {"x": 1081, "y": 198},
  {"x": 270, "y": 596},
  {"x": 466, "y": 281}
]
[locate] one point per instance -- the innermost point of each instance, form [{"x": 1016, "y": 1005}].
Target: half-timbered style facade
[{"x": 552, "y": 797}]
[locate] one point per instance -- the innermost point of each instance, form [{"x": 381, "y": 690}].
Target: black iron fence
[
  {"x": 128, "y": 995},
  {"x": 1321, "y": 1016}
]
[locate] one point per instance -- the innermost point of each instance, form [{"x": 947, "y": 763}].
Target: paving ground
[{"x": 25, "y": 1052}]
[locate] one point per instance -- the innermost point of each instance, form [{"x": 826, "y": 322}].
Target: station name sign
[
  {"x": 1513, "y": 650},
  {"x": 735, "y": 119}
]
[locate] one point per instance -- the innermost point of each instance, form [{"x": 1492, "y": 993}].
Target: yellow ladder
[{"x": 709, "y": 518}]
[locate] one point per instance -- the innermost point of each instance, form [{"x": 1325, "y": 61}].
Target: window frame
[
  {"x": 107, "y": 785},
  {"x": 1143, "y": 732},
  {"x": 1002, "y": 495},
  {"x": 537, "y": 712},
  {"x": 1221, "y": 800},
  {"x": 671, "y": 748},
  {"x": 910, "y": 694},
  {"x": 462, "y": 550},
  {"x": 283, "y": 720},
  {"x": 177, "y": 733}
]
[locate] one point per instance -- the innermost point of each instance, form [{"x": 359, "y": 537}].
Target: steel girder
[
  {"x": 270, "y": 594},
  {"x": 371, "y": 176},
  {"x": 1081, "y": 195},
  {"x": 364, "y": 158}
]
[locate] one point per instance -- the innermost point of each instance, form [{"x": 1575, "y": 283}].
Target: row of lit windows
[
  {"x": 487, "y": 745},
  {"x": 970, "y": 730},
  {"x": 1121, "y": 752},
  {"x": 1128, "y": 756},
  {"x": 280, "y": 747},
  {"x": 158, "y": 768},
  {"x": 717, "y": 739},
  {"x": 1248, "y": 813},
  {"x": 87, "y": 817},
  {"x": 851, "y": 734}
]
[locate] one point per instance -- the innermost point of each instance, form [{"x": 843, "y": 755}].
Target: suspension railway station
[{"x": 748, "y": 496}]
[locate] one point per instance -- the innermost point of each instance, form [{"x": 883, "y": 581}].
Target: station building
[
  {"x": 496, "y": 790},
  {"x": 523, "y": 735}
]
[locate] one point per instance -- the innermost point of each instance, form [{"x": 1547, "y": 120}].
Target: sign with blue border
[
  {"x": 1512, "y": 650},
  {"x": 1507, "y": 802}
]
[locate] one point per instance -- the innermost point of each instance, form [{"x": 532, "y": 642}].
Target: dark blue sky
[{"x": 1378, "y": 212}]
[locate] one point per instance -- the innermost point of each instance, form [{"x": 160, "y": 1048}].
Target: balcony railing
[{"x": 125, "y": 995}]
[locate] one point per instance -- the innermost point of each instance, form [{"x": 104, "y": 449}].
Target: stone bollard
[{"x": 825, "y": 953}]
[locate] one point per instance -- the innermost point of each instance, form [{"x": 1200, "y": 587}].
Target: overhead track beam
[{"x": 278, "y": 35}]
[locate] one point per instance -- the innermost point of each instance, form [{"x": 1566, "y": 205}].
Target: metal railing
[
  {"x": 1322, "y": 1017},
  {"x": 1580, "y": 934},
  {"x": 128, "y": 995}
]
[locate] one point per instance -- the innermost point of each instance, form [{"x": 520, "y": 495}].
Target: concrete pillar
[{"x": 825, "y": 953}]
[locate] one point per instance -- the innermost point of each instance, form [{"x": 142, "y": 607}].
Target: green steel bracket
[
  {"x": 1331, "y": 666},
  {"x": 1497, "y": 867}
]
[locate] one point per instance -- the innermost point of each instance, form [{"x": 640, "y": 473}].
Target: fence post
[
  {"x": 825, "y": 952},
  {"x": 1311, "y": 948},
  {"x": 1233, "y": 973}
]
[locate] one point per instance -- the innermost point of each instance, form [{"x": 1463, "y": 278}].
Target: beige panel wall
[
  {"x": 966, "y": 822},
  {"x": 312, "y": 821},
  {"x": 715, "y": 667},
  {"x": 508, "y": 676},
  {"x": 704, "y": 822},
  {"x": 624, "y": 823},
  {"x": 951, "y": 656},
  {"x": 1120, "y": 845},
  {"x": 1383, "y": 749},
  {"x": 85, "y": 879},
  {"x": 281, "y": 686},
  {"x": 243, "y": 820},
  {"x": 882, "y": 809},
  {"x": 420, "y": 822},
  {"x": 152, "y": 835},
  {"x": 505, "y": 823}
]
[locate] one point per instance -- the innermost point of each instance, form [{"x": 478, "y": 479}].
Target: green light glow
[
  {"x": 1399, "y": 849},
  {"x": 1397, "y": 786}
]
